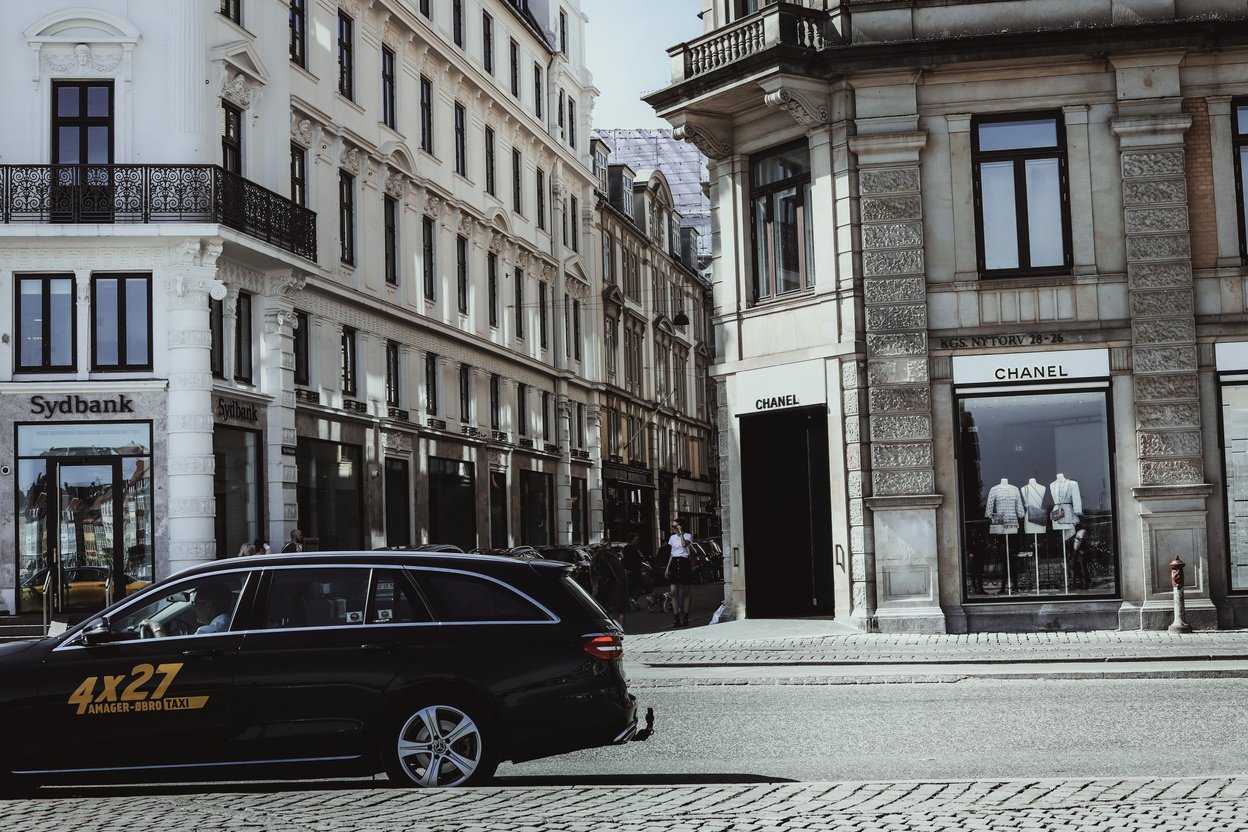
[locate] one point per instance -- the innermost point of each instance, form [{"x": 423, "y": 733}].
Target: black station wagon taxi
[{"x": 430, "y": 667}]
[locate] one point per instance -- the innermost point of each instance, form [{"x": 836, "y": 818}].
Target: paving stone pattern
[
  {"x": 676, "y": 648},
  {"x": 1189, "y": 804}
]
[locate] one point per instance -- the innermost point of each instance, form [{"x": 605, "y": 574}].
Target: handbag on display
[
  {"x": 997, "y": 519},
  {"x": 1036, "y": 516},
  {"x": 1058, "y": 514}
]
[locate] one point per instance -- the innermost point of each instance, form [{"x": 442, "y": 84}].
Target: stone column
[
  {"x": 593, "y": 485},
  {"x": 565, "y": 432},
  {"x": 278, "y": 381},
  {"x": 901, "y": 496},
  {"x": 1171, "y": 497},
  {"x": 192, "y": 505}
]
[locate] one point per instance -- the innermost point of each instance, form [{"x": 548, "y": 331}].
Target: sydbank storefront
[{"x": 81, "y": 533}]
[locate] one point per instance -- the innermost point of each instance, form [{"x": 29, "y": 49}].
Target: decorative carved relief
[
  {"x": 1159, "y": 275},
  {"x": 896, "y": 483},
  {"x": 467, "y": 224},
  {"x": 1179, "y": 443},
  {"x": 900, "y": 427},
  {"x": 908, "y": 455},
  {"x": 1164, "y": 359},
  {"x": 204, "y": 464},
  {"x": 190, "y": 381},
  {"x": 395, "y": 183},
  {"x": 883, "y": 209},
  {"x": 1171, "y": 471},
  {"x": 1178, "y": 415},
  {"x": 396, "y": 441},
  {"x": 1144, "y": 304},
  {"x": 190, "y": 423},
  {"x": 1143, "y": 220},
  {"x": 192, "y": 507},
  {"x": 238, "y": 91},
  {"x": 710, "y": 145},
  {"x": 853, "y": 430},
  {"x": 1151, "y": 191},
  {"x": 1162, "y": 388},
  {"x": 853, "y": 457},
  {"x": 911, "y": 316},
  {"x": 851, "y": 374},
  {"x": 901, "y": 344},
  {"x": 1156, "y": 163},
  {"x": 433, "y": 206},
  {"x": 1164, "y": 331},
  {"x": 803, "y": 110},
  {"x": 894, "y": 289},
  {"x": 291, "y": 282},
  {"x": 352, "y": 160},
  {"x": 885, "y": 399},
  {"x": 82, "y": 58},
  {"x": 892, "y": 235},
  {"x": 849, "y": 403},
  {"x": 891, "y": 181},
  {"x": 497, "y": 241},
  {"x": 188, "y": 338},
  {"x": 853, "y": 483},
  {"x": 857, "y": 513},
  {"x": 897, "y": 371},
  {"x": 884, "y": 263},
  {"x": 1159, "y": 247}
]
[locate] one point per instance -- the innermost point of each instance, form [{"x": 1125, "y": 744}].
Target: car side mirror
[{"x": 101, "y": 632}]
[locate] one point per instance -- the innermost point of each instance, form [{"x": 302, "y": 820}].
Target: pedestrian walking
[
  {"x": 680, "y": 574},
  {"x": 610, "y": 581},
  {"x": 295, "y": 544}
]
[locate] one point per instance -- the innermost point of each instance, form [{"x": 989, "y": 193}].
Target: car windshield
[{"x": 202, "y": 606}]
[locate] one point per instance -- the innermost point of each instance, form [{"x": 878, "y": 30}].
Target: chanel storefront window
[
  {"x": 329, "y": 494},
  {"x": 1036, "y": 484},
  {"x": 84, "y": 509},
  {"x": 238, "y": 488}
]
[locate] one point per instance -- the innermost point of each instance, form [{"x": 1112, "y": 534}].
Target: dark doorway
[{"x": 786, "y": 498}]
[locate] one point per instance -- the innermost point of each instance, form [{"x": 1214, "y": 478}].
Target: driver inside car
[{"x": 212, "y": 608}]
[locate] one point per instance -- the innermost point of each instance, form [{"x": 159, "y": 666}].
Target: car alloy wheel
[{"x": 441, "y": 746}]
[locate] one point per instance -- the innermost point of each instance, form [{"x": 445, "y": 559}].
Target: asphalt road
[{"x": 974, "y": 729}]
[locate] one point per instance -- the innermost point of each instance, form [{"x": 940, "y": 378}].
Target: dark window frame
[
  {"x": 348, "y": 361},
  {"x": 216, "y": 331},
  {"x": 563, "y": 31},
  {"x": 522, "y": 409},
  {"x": 1019, "y": 158},
  {"x": 299, "y": 33},
  {"x": 389, "y": 81},
  {"x": 394, "y": 374},
  {"x": 461, "y": 139},
  {"x": 800, "y": 183},
  {"x": 491, "y": 262},
  {"x": 461, "y": 273},
  {"x": 426, "y": 115},
  {"x": 457, "y": 22},
  {"x": 83, "y": 121},
  {"x": 244, "y": 339},
  {"x": 571, "y": 122},
  {"x": 542, "y": 323},
  {"x": 496, "y": 402},
  {"x": 465, "y": 393},
  {"x": 519, "y": 280},
  {"x": 546, "y": 416},
  {"x": 123, "y": 326},
  {"x": 540, "y": 181},
  {"x": 517, "y": 185},
  {"x": 431, "y": 383},
  {"x": 1239, "y": 147},
  {"x": 298, "y": 174},
  {"x": 487, "y": 42},
  {"x": 346, "y": 218},
  {"x": 346, "y": 56},
  {"x": 515, "y": 69},
  {"x": 576, "y": 328},
  {"x": 425, "y": 10},
  {"x": 302, "y": 348},
  {"x": 231, "y": 138},
  {"x": 232, "y": 10},
  {"x": 46, "y": 335},
  {"x": 428, "y": 258},
  {"x": 574, "y": 211},
  {"x": 490, "y": 179},
  {"x": 390, "y": 233},
  {"x": 539, "y": 90}
]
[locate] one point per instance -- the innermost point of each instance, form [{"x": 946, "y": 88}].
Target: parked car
[
  {"x": 86, "y": 587},
  {"x": 431, "y": 667}
]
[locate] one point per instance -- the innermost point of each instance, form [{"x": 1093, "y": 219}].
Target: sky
[{"x": 626, "y": 49}]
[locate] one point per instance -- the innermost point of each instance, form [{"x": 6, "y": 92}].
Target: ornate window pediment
[
  {"x": 240, "y": 72},
  {"x": 82, "y": 42}
]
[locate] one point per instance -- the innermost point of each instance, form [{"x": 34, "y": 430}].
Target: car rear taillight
[{"x": 604, "y": 647}]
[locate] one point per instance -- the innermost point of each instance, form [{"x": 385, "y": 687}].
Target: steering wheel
[
  {"x": 151, "y": 629},
  {"x": 177, "y": 627}
]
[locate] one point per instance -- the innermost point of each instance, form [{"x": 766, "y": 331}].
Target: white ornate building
[
  {"x": 318, "y": 263},
  {"x": 979, "y": 303}
]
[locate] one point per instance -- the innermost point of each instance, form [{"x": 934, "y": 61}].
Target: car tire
[{"x": 439, "y": 745}]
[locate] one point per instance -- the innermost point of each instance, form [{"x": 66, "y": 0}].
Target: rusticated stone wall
[{"x": 1163, "y": 324}]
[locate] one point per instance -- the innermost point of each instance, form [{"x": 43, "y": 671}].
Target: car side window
[
  {"x": 395, "y": 600},
  {"x": 202, "y": 606},
  {"x": 456, "y": 596},
  {"x": 315, "y": 597}
]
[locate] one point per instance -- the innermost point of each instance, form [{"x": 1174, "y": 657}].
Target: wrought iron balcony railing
[
  {"x": 155, "y": 193},
  {"x": 777, "y": 24}
]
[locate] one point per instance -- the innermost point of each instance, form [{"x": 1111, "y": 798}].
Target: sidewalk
[{"x": 812, "y": 647}]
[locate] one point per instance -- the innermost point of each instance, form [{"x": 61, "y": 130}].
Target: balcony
[
  {"x": 776, "y": 25},
  {"x": 154, "y": 193}
]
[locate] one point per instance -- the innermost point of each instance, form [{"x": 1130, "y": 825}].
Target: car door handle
[
  {"x": 379, "y": 648},
  {"x": 203, "y": 654}
]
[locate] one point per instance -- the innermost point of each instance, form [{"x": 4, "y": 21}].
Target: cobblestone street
[{"x": 1192, "y": 805}]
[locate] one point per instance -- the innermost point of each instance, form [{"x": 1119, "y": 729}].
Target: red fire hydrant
[{"x": 1179, "y": 625}]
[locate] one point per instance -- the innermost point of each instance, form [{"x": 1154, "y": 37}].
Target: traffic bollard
[{"x": 1180, "y": 624}]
